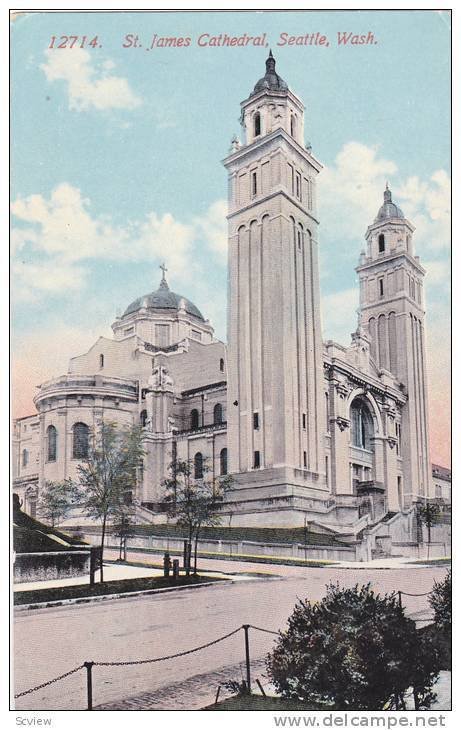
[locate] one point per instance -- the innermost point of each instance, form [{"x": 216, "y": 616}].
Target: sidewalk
[
  {"x": 111, "y": 572},
  {"x": 394, "y": 563},
  {"x": 114, "y": 572},
  {"x": 231, "y": 567},
  {"x": 200, "y": 691}
]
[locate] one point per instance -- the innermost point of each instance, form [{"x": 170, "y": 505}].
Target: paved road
[{"x": 49, "y": 642}]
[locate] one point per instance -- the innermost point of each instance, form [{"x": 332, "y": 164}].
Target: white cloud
[
  {"x": 167, "y": 238},
  {"x": 427, "y": 205},
  {"x": 213, "y": 227},
  {"x": 89, "y": 85},
  {"x": 58, "y": 234},
  {"x": 350, "y": 190}
]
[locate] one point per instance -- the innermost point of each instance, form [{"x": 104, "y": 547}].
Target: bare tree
[{"x": 193, "y": 500}]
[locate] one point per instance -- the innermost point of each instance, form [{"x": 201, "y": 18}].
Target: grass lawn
[
  {"x": 258, "y": 703},
  {"x": 130, "y": 585},
  {"x": 431, "y": 561},
  {"x": 290, "y": 535}
]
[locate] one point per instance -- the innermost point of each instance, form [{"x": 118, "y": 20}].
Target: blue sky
[{"x": 116, "y": 163}]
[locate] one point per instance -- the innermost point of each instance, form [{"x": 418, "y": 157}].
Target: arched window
[
  {"x": 80, "y": 441},
  {"x": 221, "y": 364},
  {"x": 143, "y": 418},
  {"x": 217, "y": 413},
  {"x": 382, "y": 341},
  {"x": 292, "y": 125},
  {"x": 373, "y": 334},
  {"x": 257, "y": 124},
  {"x": 381, "y": 243},
  {"x": 194, "y": 418},
  {"x": 52, "y": 438},
  {"x": 223, "y": 462},
  {"x": 198, "y": 465},
  {"x": 361, "y": 425},
  {"x": 25, "y": 457},
  {"x": 101, "y": 361},
  {"x": 300, "y": 235}
]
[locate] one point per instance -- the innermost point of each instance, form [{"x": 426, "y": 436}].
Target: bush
[
  {"x": 440, "y": 601},
  {"x": 354, "y": 650}
]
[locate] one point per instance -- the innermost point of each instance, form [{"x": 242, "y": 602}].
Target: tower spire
[{"x": 270, "y": 63}]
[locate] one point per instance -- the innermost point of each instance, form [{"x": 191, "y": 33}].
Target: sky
[{"x": 116, "y": 167}]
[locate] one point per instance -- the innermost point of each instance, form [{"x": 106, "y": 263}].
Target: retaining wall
[
  {"x": 240, "y": 547},
  {"x": 31, "y": 567}
]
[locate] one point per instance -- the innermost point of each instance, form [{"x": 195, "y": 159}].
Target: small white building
[{"x": 441, "y": 481}]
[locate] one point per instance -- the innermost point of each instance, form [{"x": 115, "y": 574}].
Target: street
[{"x": 49, "y": 642}]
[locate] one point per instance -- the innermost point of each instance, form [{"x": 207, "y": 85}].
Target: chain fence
[
  {"x": 414, "y": 595},
  {"x": 50, "y": 681},
  {"x": 245, "y": 627},
  {"x": 89, "y": 665}
]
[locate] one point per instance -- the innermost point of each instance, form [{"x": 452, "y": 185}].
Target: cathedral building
[{"x": 309, "y": 430}]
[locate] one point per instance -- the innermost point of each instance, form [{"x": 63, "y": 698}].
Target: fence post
[
  {"x": 400, "y": 598},
  {"x": 246, "y": 628},
  {"x": 89, "y": 683},
  {"x": 92, "y": 564}
]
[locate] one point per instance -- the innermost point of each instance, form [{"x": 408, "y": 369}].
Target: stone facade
[{"x": 309, "y": 430}]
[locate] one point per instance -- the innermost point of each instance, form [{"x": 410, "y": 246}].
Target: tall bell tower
[
  {"x": 392, "y": 312},
  {"x": 276, "y": 411}
]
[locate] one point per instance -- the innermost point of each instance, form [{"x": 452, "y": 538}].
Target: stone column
[
  {"x": 340, "y": 438},
  {"x": 390, "y": 458}
]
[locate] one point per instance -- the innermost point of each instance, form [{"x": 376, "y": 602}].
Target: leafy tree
[
  {"x": 440, "y": 601},
  {"x": 193, "y": 503},
  {"x": 107, "y": 476},
  {"x": 428, "y": 514},
  {"x": 354, "y": 650},
  {"x": 56, "y": 499}
]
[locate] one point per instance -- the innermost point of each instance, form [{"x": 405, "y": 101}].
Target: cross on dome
[{"x": 163, "y": 282}]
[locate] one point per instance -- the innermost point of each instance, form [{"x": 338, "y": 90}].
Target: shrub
[
  {"x": 353, "y": 650},
  {"x": 440, "y": 601}
]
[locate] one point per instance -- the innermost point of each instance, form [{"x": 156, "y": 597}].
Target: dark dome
[
  {"x": 163, "y": 298},
  {"x": 388, "y": 208},
  {"x": 271, "y": 80}
]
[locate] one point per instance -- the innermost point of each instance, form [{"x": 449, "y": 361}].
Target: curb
[{"x": 111, "y": 596}]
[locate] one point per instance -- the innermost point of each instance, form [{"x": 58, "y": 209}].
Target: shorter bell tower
[{"x": 392, "y": 313}]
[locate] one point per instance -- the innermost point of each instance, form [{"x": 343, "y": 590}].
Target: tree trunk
[
  {"x": 103, "y": 535},
  {"x": 189, "y": 545},
  {"x": 195, "y": 552}
]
